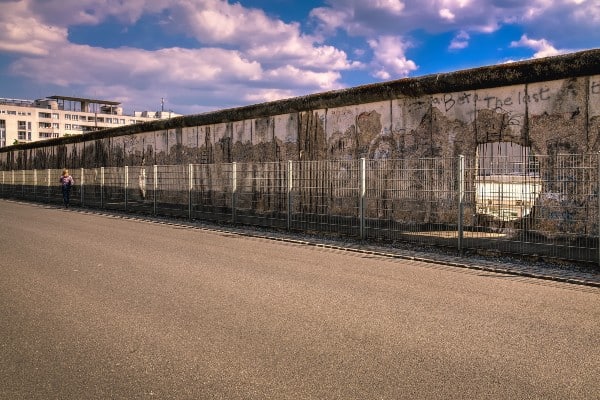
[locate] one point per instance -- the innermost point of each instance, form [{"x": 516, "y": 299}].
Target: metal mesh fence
[
  {"x": 545, "y": 206},
  {"x": 325, "y": 197},
  {"x": 413, "y": 200},
  {"x": 261, "y": 194},
  {"x": 550, "y": 208},
  {"x": 211, "y": 194}
]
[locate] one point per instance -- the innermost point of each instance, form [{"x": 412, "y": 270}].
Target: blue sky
[{"x": 203, "y": 55}]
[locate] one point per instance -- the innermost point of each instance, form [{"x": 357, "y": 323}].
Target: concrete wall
[{"x": 552, "y": 105}]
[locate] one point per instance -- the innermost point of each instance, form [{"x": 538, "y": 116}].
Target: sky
[{"x": 195, "y": 56}]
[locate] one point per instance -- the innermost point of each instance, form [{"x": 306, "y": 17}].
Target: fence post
[
  {"x": 361, "y": 211},
  {"x": 290, "y": 183},
  {"x": 35, "y": 185},
  {"x": 48, "y": 188},
  {"x": 101, "y": 187},
  {"x": 233, "y": 191},
  {"x": 154, "y": 187},
  {"x": 461, "y": 198},
  {"x": 190, "y": 189},
  {"x": 23, "y": 184},
  {"x": 81, "y": 189},
  {"x": 598, "y": 194},
  {"x": 126, "y": 184}
]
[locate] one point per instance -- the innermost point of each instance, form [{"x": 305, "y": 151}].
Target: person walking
[{"x": 66, "y": 181}]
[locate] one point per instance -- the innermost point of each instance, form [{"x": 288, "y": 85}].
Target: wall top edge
[{"x": 572, "y": 65}]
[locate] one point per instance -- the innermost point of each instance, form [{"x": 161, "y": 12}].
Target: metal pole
[
  {"x": 190, "y": 189},
  {"x": 101, "y": 187},
  {"x": 48, "y": 188},
  {"x": 461, "y": 198},
  {"x": 233, "y": 191},
  {"x": 155, "y": 186},
  {"x": 289, "y": 194},
  {"x": 23, "y": 184},
  {"x": 81, "y": 190},
  {"x": 126, "y": 184},
  {"x": 35, "y": 184},
  {"x": 363, "y": 170}
]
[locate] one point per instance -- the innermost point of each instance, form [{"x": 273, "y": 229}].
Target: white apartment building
[{"x": 24, "y": 121}]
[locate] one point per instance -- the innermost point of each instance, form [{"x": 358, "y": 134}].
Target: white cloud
[
  {"x": 251, "y": 55},
  {"x": 389, "y": 59},
  {"x": 447, "y": 14},
  {"x": 460, "y": 41},
  {"x": 24, "y": 33},
  {"x": 543, "y": 47}
]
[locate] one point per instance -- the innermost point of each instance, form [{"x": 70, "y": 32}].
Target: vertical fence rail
[
  {"x": 154, "y": 187},
  {"x": 81, "y": 186},
  {"x": 102, "y": 184},
  {"x": 461, "y": 200},
  {"x": 290, "y": 187},
  {"x": 362, "y": 200},
  {"x": 190, "y": 189},
  {"x": 234, "y": 193},
  {"x": 126, "y": 185},
  {"x": 35, "y": 184}
]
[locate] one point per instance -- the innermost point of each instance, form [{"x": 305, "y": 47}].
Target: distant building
[{"x": 24, "y": 121}]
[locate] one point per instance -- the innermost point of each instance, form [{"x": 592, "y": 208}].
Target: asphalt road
[{"x": 101, "y": 307}]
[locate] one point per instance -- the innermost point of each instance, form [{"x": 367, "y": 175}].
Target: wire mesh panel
[
  {"x": 413, "y": 200},
  {"x": 43, "y": 191},
  {"x": 29, "y": 184},
  {"x": 211, "y": 193},
  {"x": 19, "y": 184},
  {"x": 548, "y": 208},
  {"x": 92, "y": 187},
  {"x": 76, "y": 189},
  {"x": 325, "y": 196},
  {"x": 172, "y": 193},
  {"x": 261, "y": 194},
  {"x": 140, "y": 189},
  {"x": 113, "y": 188}
]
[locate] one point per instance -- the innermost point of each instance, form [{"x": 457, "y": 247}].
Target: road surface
[{"x": 95, "y": 306}]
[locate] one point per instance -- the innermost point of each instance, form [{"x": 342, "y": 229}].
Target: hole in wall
[{"x": 507, "y": 182}]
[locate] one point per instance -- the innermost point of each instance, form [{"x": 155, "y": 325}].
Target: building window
[
  {"x": 45, "y": 115},
  {"x": 45, "y": 125},
  {"x": 22, "y": 135},
  {"x": 75, "y": 117},
  {"x": 12, "y": 112},
  {"x": 68, "y": 126},
  {"x": 122, "y": 121},
  {"x": 55, "y": 116},
  {"x": 68, "y": 117},
  {"x": 22, "y": 125}
]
